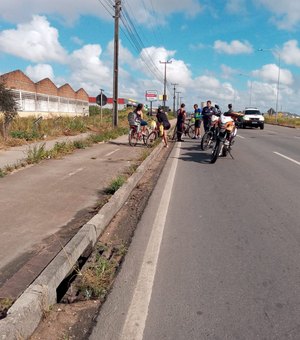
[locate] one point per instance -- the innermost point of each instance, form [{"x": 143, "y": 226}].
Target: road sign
[
  {"x": 103, "y": 101},
  {"x": 151, "y": 95}
]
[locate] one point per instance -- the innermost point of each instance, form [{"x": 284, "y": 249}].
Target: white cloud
[
  {"x": 196, "y": 46},
  {"x": 227, "y": 71},
  {"x": 36, "y": 41},
  {"x": 286, "y": 13},
  {"x": 236, "y": 6},
  {"x": 269, "y": 73},
  {"x": 235, "y": 47},
  {"x": 39, "y": 72},
  {"x": 77, "y": 40},
  {"x": 88, "y": 70},
  {"x": 291, "y": 53},
  {"x": 70, "y": 10}
]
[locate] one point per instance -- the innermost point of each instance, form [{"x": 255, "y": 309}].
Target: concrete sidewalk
[
  {"x": 27, "y": 311},
  {"x": 17, "y": 154}
]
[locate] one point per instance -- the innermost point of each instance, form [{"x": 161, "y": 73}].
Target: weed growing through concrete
[
  {"x": 115, "y": 185},
  {"x": 97, "y": 278}
]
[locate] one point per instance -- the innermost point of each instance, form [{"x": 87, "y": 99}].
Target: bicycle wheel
[
  {"x": 191, "y": 131},
  {"x": 216, "y": 151},
  {"x": 145, "y": 136},
  {"x": 151, "y": 138},
  {"x": 133, "y": 137},
  {"x": 185, "y": 129},
  {"x": 206, "y": 140}
]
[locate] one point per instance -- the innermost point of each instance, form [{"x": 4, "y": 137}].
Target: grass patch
[
  {"x": 2, "y": 173},
  {"x": 5, "y": 304},
  {"x": 96, "y": 279},
  {"x": 115, "y": 185},
  {"x": 294, "y": 122},
  {"x": 36, "y": 154}
]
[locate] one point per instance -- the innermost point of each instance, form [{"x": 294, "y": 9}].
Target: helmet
[{"x": 217, "y": 106}]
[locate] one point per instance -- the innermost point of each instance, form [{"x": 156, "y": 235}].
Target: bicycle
[
  {"x": 135, "y": 135},
  {"x": 188, "y": 129},
  {"x": 153, "y": 135}
]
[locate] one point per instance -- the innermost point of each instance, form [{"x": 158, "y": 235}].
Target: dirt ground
[{"x": 75, "y": 320}]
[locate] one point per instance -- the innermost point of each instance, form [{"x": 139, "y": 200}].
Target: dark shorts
[
  {"x": 143, "y": 123},
  {"x": 197, "y": 123},
  {"x": 166, "y": 125}
]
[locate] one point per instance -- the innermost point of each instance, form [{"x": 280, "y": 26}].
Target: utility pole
[
  {"x": 178, "y": 93},
  {"x": 165, "y": 81},
  {"x": 174, "y": 98},
  {"x": 117, "y": 7}
]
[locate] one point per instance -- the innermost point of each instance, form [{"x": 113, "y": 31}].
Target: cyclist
[
  {"x": 139, "y": 112},
  {"x": 198, "y": 118}
]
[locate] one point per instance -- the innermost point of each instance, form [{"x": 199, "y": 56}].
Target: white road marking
[
  {"x": 241, "y": 137},
  {"x": 134, "y": 325},
  {"x": 75, "y": 172},
  {"x": 110, "y": 153},
  {"x": 290, "y": 159}
]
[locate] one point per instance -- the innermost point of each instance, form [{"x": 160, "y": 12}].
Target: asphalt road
[
  {"x": 217, "y": 252},
  {"x": 42, "y": 200}
]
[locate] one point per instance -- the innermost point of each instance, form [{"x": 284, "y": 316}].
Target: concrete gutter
[{"x": 26, "y": 313}]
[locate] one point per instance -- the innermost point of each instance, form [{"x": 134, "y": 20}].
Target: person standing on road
[
  {"x": 230, "y": 108},
  {"x": 198, "y": 118},
  {"x": 207, "y": 112},
  {"x": 163, "y": 120},
  {"x": 181, "y": 115}
]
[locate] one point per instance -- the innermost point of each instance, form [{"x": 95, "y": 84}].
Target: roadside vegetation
[
  {"x": 292, "y": 122},
  {"x": 31, "y": 129}
]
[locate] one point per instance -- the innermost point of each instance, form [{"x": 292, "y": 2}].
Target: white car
[{"x": 253, "y": 118}]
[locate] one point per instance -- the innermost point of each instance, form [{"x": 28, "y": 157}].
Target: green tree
[{"x": 8, "y": 106}]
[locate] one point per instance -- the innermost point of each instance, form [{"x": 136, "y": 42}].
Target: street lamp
[
  {"x": 278, "y": 77},
  {"x": 251, "y": 83}
]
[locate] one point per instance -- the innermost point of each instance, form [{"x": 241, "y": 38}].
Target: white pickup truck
[{"x": 252, "y": 118}]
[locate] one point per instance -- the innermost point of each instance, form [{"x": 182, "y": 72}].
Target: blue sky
[{"x": 213, "y": 46}]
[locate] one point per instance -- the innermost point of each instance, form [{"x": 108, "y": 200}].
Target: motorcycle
[
  {"x": 211, "y": 134},
  {"x": 225, "y": 137}
]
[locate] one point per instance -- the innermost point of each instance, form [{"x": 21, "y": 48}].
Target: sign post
[
  {"x": 151, "y": 96},
  {"x": 101, "y": 100}
]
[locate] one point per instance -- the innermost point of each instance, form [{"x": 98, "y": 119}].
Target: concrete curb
[{"x": 26, "y": 313}]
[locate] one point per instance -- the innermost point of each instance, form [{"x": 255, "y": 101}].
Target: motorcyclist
[
  {"x": 207, "y": 112},
  {"x": 231, "y": 115}
]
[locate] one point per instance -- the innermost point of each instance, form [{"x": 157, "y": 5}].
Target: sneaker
[{"x": 194, "y": 137}]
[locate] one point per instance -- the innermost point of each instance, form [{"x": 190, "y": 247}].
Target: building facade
[{"x": 44, "y": 98}]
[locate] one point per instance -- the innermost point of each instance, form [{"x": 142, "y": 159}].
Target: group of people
[
  {"x": 203, "y": 115},
  {"x": 136, "y": 118}
]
